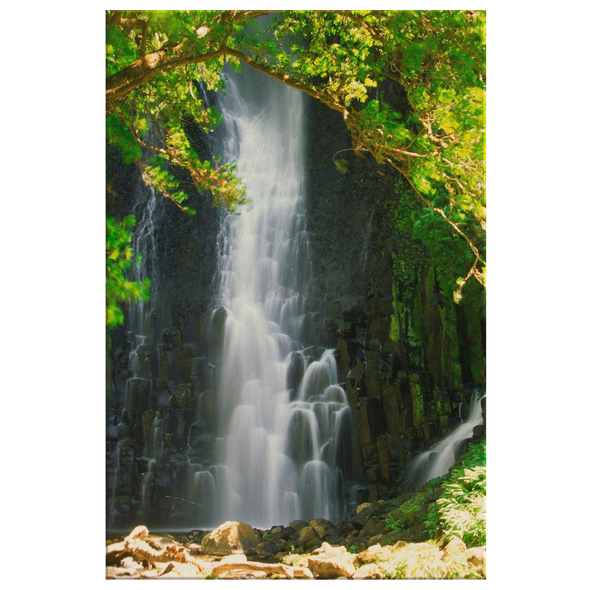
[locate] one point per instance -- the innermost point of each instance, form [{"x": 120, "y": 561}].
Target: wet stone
[
  {"x": 306, "y": 534},
  {"x": 359, "y": 520},
  {"x": 267, "y": 549},
  {"x": 296, "y": 525}
]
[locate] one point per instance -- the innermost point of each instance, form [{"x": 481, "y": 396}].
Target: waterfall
[
  {"x": 249, "y": 422},
  {"x": 439, "y": 459},
  {"x": 128, "y": 459},
  {"x": 280, "y": 412},
  {"x": 144, "y": 247}
]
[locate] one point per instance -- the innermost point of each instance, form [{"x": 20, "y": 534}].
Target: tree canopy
[{"x": 156, "y": 61}]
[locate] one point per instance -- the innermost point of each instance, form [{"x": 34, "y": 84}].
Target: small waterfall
[
  {"x": 134, "y": 421},
  {"x": 145, "y": 210},
  {"x": 280, "y": 409},
  {"x": 439, "y": 459}
]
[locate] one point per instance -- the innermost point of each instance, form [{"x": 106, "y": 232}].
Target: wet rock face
[
  {"x": 398, "y": 343},
  {"x": 403, "y": 357}
]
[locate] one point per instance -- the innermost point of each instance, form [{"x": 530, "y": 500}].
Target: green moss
[
  {"x": 450, "y": 348},
  {"x": 443, "y": 405},
  {"x": 415, "y": 337},
  {"x": 396, "y": 328},
  {"x": 410, "y": 261},
  {"x": 430, "y": 282},
  {"x": 417, "y": 393},
  {"x": 411, "y": 520},
  {"x": 474, "y": 310}
]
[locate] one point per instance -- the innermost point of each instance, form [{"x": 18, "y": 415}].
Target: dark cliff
[{"x": 408, "y": 358}]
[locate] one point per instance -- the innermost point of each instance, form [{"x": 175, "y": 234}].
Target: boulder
[
  {"x": 377, "y": 540},
  {"x": 230, "y": 537},
  {"x": 297, "y": 524},
  {"x": 180, "y": 570},
  {"x": 372, "y": 554},
  {"x": 159, "y": 541},
  {"x": 329, "y": 562},
  {"x": 360, "y": 519},
  {"x": 476, "y": 556},
  {"x": 454, "y": 547},
  {"x": 267, "y": 549},
  {"x": 362, "y": 506},
  {"x": 142, "y": 548},
  {"x": 330, "y": 568},
  {"x": 373, "y": 527},
  {"x": 307, "y": 537},
  {"x": 237, "y": 566},
  {"x": 368, "y": 572}
]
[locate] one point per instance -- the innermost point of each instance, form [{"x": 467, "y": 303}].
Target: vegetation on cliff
[
  {"x": 120, "y": 257},
  {"x": 158, "y": 63},
  {"x": 449, "y": 506}
]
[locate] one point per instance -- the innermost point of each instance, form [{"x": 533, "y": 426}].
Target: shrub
[{"x": 461, "y": 509}]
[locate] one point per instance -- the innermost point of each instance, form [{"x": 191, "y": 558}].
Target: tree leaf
[{"x": 341, "y": 166}]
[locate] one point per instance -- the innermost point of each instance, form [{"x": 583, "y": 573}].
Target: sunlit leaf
[{"x": 341, "y": 166}]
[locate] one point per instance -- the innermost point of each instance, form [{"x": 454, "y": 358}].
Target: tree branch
[
  {"x": 147, "y": 66},
  {"x": 326, "y": 98},
  {"x": 474, "y": 270},
  {"x": 142, "y": 70}
]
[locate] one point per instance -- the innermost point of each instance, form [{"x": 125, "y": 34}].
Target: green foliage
[
  {"x": 119, "y": 135},
  {"x": 156, "y": 62},
  {"x": 164, "y": 182},
  {"x": 425, "y": 561},
  {"x": 451, "y": 257},
  {"x": 408, "y": 516},
  {"x": 118, "y": 261},
  {"x": 460, "y": 511},
  {"x": 414, "y": 512},
  {"x": 348, "y": 59}
]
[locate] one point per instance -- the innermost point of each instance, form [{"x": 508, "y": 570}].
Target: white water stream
[
  {"x": 438, "y": 459},
  {"x": 279, "y": 449}
]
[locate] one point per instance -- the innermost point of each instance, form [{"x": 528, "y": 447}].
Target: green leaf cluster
[
  {"x": 119, "y": 258},
  {"x": 461, "y": 509},
  {"x": 414, "y": 512},
  {"x": 450, "y": 505},
  {"x": 348, "y": 60},
  {"x": 157, "y": 64},
  {"x": 452, "y": 257},
  {"x": 158, "y": 61},
  {"x": 408, "y": 515}
]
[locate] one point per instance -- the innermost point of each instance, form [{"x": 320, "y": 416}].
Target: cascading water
[
  {"x": 439, "y": 459},
  {"x": 249, "y": 423},
  {"x": 143, "y": 353},
  {"x": 283, "y": 420},
  {"x": 144, "y": 246}
]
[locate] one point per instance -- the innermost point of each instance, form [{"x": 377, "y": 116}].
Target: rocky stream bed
[{"x": 318, "y": 549}]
